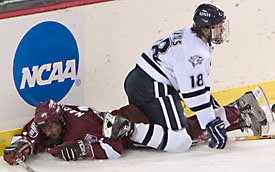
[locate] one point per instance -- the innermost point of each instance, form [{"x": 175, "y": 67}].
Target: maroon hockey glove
[
  {"x": 21, "y": 149},
  {"x": 73, "y": 150}
]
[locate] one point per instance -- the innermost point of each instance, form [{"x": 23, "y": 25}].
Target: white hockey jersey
[{"x": 182, "y": 60}]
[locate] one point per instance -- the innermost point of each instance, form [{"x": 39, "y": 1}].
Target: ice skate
[
  {"x": 116, "y": 126},
  {"x": 252, "y": 115}
]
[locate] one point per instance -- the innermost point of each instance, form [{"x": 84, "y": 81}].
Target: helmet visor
[{"x": 220, "y": 32}]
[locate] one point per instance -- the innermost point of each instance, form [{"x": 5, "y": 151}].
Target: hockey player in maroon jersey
[
  {"x": 68, "y": 132},
  {"x": 76, "y": 132}
]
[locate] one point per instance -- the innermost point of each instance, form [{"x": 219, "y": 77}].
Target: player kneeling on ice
[
  {"x": 244, "y": 113},
  {"x": 76, "y": 132},
  {"x": 177, "y": 67}
]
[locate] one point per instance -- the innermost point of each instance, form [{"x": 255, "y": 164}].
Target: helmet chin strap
[
  {"x": 209, "y": 43},
  {"x": 208, "y": 38}
]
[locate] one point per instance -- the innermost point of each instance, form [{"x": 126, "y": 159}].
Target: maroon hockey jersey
[{"x": 81, "y": 123}]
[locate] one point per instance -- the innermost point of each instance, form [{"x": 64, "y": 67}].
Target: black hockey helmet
[{"x": 207, "y": 15}]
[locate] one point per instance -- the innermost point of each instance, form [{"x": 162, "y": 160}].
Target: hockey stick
[
  {"x": 20, "y": 162},
  {"x": 244, "y": 138}
]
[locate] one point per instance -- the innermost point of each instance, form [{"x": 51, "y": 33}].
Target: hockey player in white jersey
[
  {"x": 180, "y": 63},
  {"x": 178, "y": 66}
]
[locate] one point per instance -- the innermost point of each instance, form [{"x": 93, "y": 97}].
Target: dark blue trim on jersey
[
  {"x": 164, "y": 140},
  {"x": 148, "y": 60},
  {"x": 148, "y": 135},
  {"x": 201, "y": 107},
  {"x": 214, "y": 103},
  {"x": 195, "y": 93}
]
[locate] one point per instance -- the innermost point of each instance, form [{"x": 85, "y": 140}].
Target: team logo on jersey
[
  {"x": 195, "y": 60},
  {"x": 33, "y": 133},
  {"x": 46, "y": 63},
  {"x": 91, "y": 138}
]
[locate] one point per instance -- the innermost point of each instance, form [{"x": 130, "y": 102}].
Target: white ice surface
[{"x": 258, "y": 155}]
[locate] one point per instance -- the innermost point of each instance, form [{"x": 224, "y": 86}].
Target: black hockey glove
[
  {"x": 73, "y": 150},
  {"x": 217, "y": 131}
]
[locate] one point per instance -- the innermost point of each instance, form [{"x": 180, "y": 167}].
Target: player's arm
[
  {"x": 73, "y": 150},
  {"x": 81, "y": 149},
  {"x": 21, "y": 148},
  {"x": 214, "y": 102},
  {"x": 194, "y": 85},
  {"x": 24, "y": 145}
]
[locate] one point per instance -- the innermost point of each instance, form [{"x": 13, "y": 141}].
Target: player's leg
[
  {"x": 157, "y": 137},
  {"x": 232, "y": 119},
  {"x": 161, "y": 103},
  {"x": 117, "y": 126},
  {"x": 132, "y": 112},
  {"x": 152, "y": 135},
  {"x": 146, "y": 135},
  {"x": 244, "y": 113},
  {"x": 229, "y": 115},
  {"x": 252, "y": 115}
]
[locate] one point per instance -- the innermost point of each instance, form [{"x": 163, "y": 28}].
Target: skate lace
[{"x": 124, "y": 130}]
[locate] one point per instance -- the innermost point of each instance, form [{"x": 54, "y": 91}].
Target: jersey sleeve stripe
[
  {"x": 149, "y": 61},
  {"x": 201, "y": 107},
  {"x": 195, "y": 93},
  {"x": 214, "y": 103},
  {"x": 109, "y": 151}
]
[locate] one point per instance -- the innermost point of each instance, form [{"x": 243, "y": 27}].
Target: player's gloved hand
[
  {"x": 73, "y": 150},
  {"x": 21, "y": 149},
  {"x": 217, "y": 131}
]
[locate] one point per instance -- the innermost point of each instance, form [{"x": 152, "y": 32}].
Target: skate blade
[{"x": 262, "y": 99}]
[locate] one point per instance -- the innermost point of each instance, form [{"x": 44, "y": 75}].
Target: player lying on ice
[{"x": 76, "y": 132}]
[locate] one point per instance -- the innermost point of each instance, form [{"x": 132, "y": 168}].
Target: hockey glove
[
  {"x": 21, "y": 149},
  {"x": 217, "y": 132},
  {"x": 73, "y": 150}
]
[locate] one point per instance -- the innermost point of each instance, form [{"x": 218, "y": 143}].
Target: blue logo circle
[{"x": 46, "y": 63}]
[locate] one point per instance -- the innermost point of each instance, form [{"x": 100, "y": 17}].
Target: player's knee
[
  {"x": 184, "y": 143},
  {"x": 179, "y": 141}
]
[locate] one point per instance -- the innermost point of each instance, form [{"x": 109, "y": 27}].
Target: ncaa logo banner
[{"x": 46, "y": 63}]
